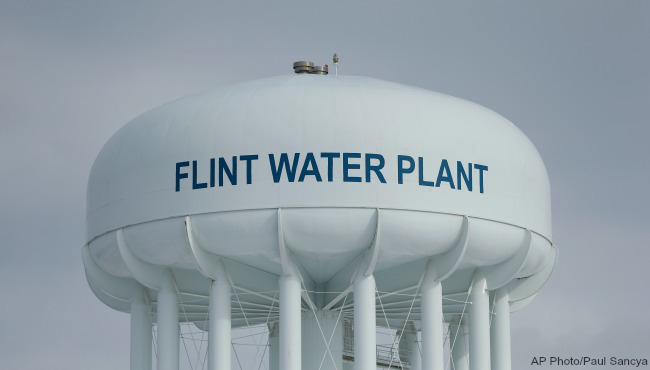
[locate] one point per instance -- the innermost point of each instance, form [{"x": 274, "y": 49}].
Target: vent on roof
[{"x": 304, "y": 66}]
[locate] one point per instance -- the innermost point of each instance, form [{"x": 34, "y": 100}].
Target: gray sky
[{"x": 573, "y": 75}]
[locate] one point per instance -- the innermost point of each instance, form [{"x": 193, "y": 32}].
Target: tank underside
[{"x": 255, "y": 244}]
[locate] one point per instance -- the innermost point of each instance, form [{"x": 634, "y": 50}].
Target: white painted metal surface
[
  {"x": 132, "y": 180},
  {"x": 479, "y": 325},
  {"x": 220, "y": 326},
  {"x": 432, "y": 321},
  {"x": 290, "y": 320},
  {"x": 365, "y": 342},
  {"x": 140, "y": 330},
  {"x": 500, "y": 332},
  {"x": 191, "y": 192},
  {"x": 168, "y": 330}
]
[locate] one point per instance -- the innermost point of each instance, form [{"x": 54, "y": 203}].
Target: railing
[{"x": 387, "y": 356}]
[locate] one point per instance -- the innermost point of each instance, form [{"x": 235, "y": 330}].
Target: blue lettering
[
  {"x": 347, "y": 166},
  {"x": 375, "y": 168},
  {"x": 310, "y": 161},
  {"x": 249, "y": 166},
  {"x": 480, "y": 169},
  {"x": 462, "y": 175},
  {"x": 195, "y": 184},
  {"x": 232, "y": 174},
  {"x": 212, "y": 171},
  {"x": 180, "y": 175},
  {"x": 444, "y": 174},
  {"x": 421, "y": 180},
  {"x": 330, "y": 164},
  {"x": 276, "y": 171},
  {"x": 226, "y": 168},
  {"x": 401, "y": 170}
]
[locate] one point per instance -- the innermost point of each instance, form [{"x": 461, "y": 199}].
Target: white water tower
[{"x": 323, "y": 207}]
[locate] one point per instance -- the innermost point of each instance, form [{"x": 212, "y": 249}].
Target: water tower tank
[{"x": 324, "y": 207}]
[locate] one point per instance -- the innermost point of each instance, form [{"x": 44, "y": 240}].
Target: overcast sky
[{"x": 573, "y": 75}]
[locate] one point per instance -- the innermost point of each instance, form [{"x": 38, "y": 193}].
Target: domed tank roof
[{"x": 318, "y": 141}]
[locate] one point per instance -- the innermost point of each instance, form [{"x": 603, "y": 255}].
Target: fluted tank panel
[{"x": 315, "y": 142}]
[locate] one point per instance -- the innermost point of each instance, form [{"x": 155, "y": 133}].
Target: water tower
[{"x": 323, "y": 207}]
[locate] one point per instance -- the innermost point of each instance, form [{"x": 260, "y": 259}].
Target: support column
[
  {"x": 432, "y": 322},
  {"x": 458, "y": 339},
  {"x": 274, "y": 342},
  {"x": 500, "y": 330},
  {"x": 219, "y": 337},
  {"x": 140, "y": 331},
  {"x": 365, "y": 341},
  {"x": 479, "y": 325},
  {"x": 290, "y": 323},
  {"x": 168, "y": 330}
]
